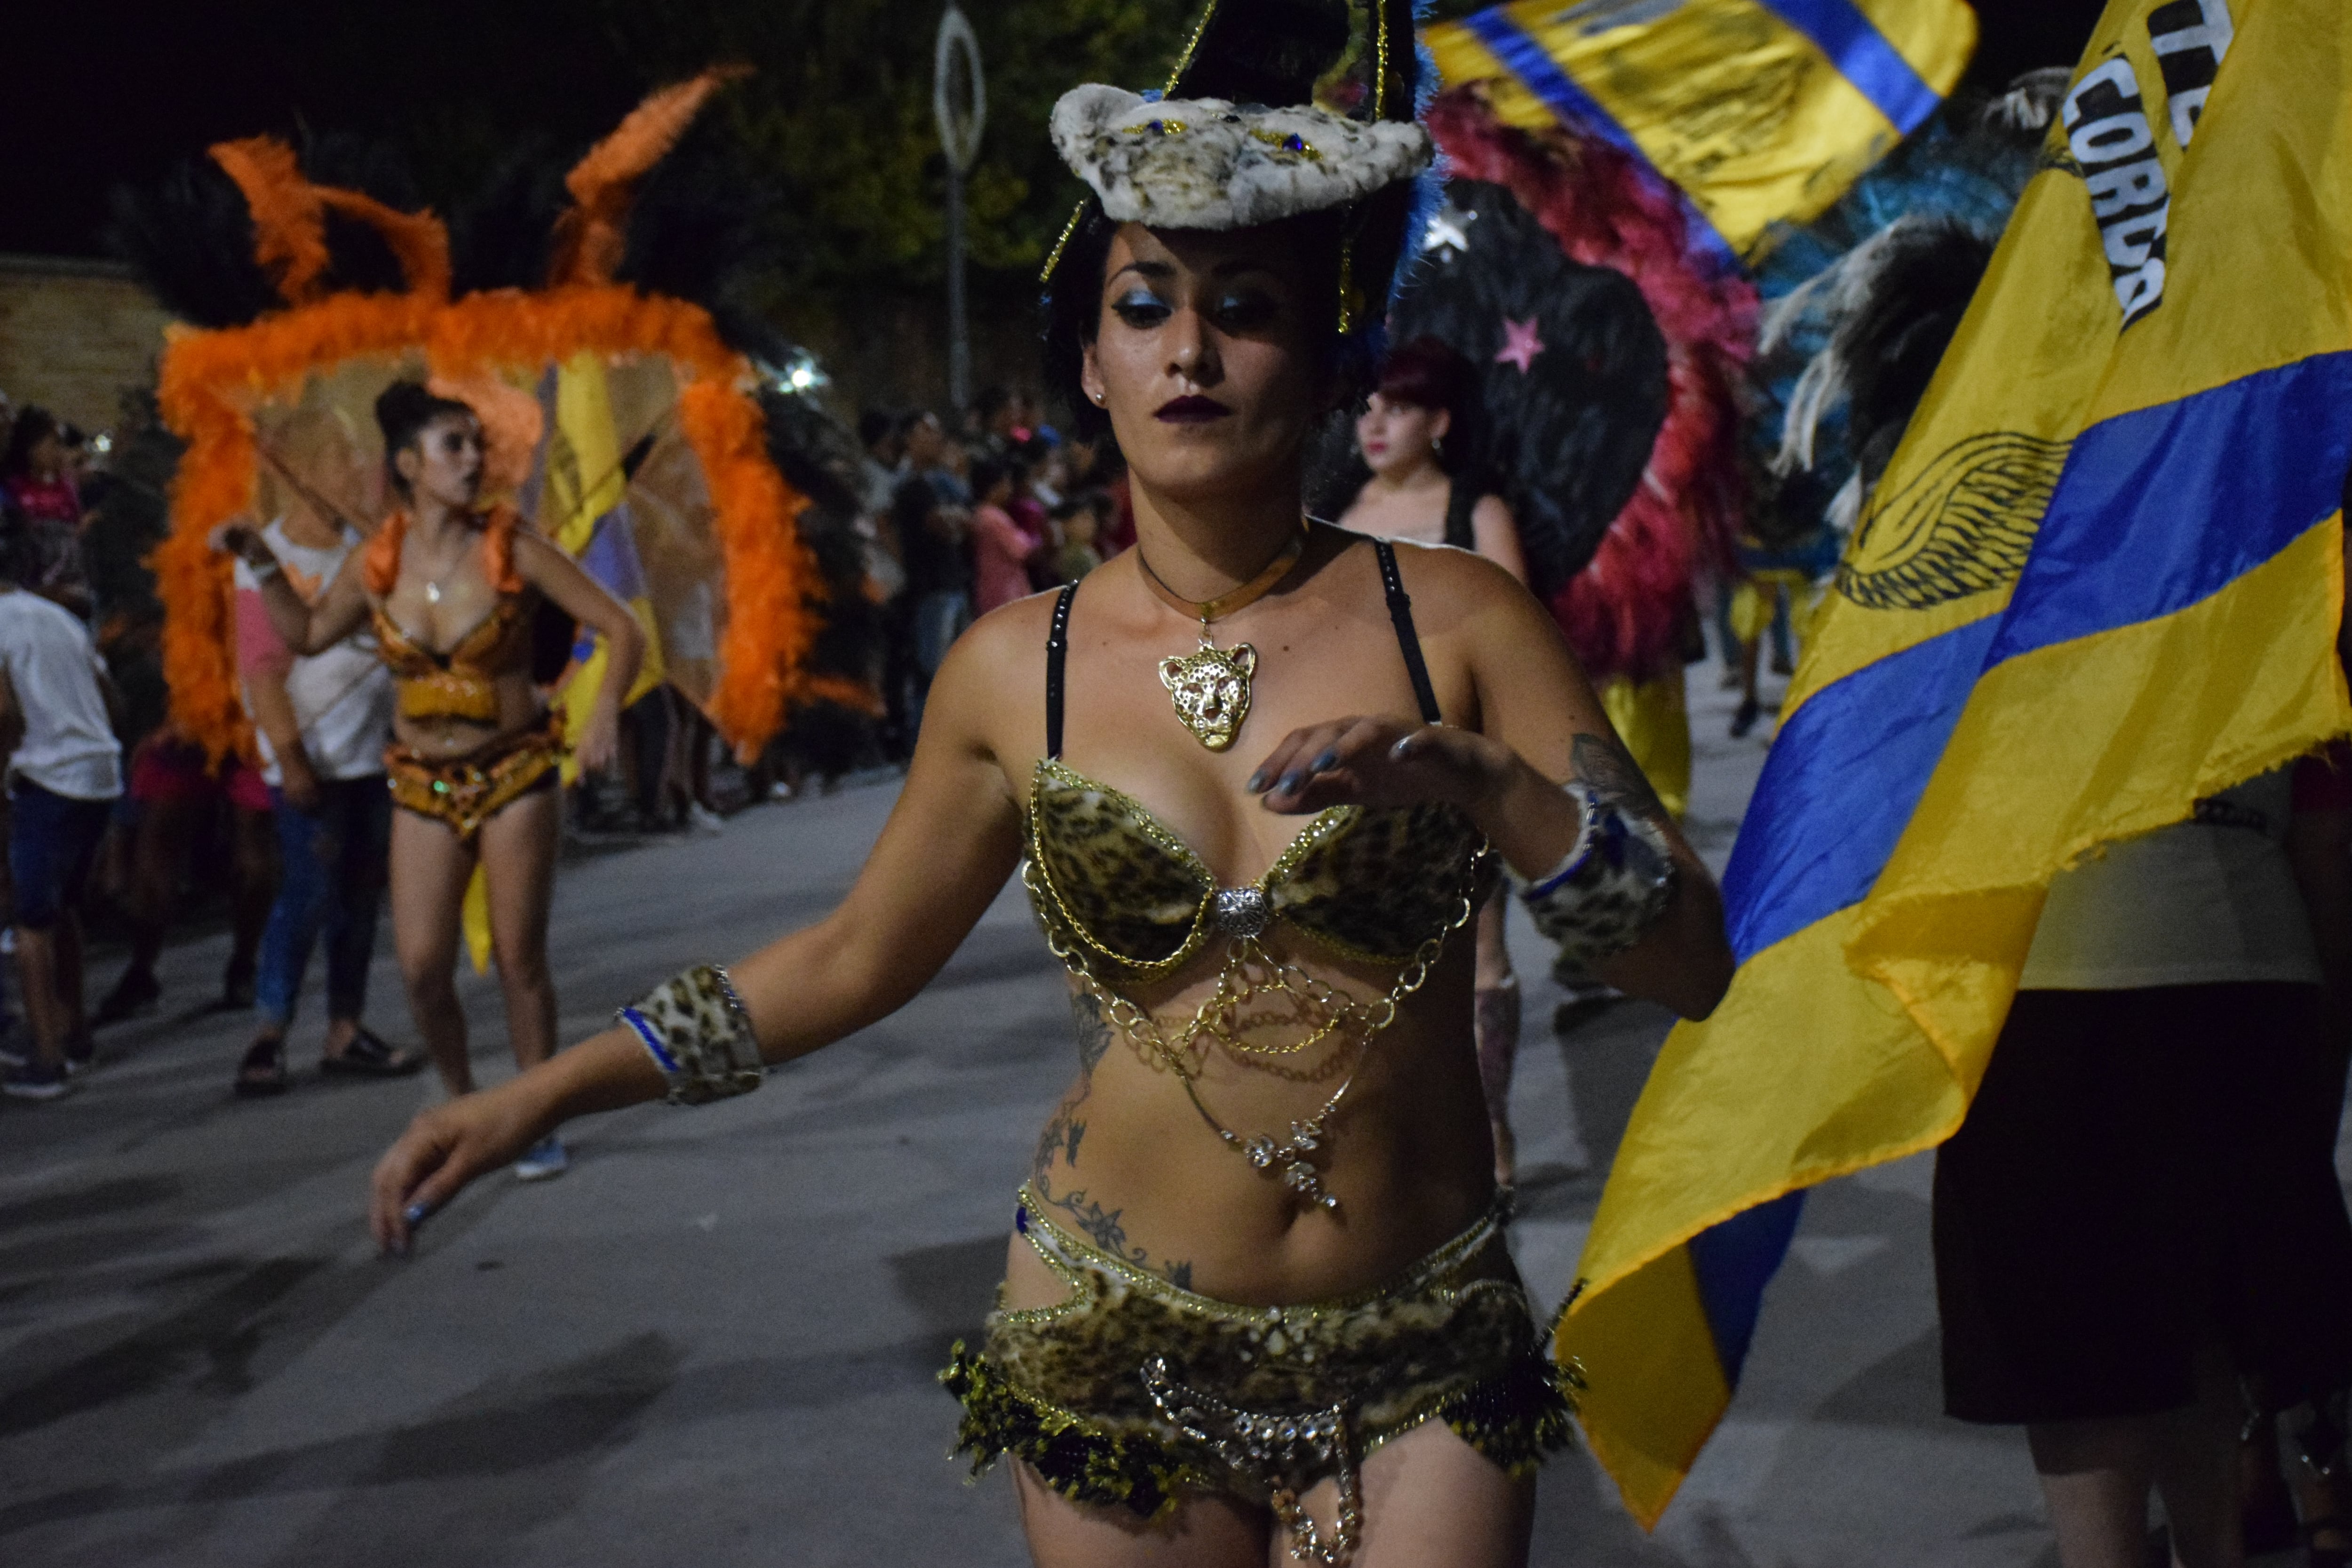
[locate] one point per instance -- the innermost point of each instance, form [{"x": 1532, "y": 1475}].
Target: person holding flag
[{"x": 2089, "y": 613}]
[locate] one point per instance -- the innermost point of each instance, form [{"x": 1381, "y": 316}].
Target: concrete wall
[{"x": 73, "y": 335}]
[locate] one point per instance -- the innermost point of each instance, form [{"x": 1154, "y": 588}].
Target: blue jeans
[
  {"x": 52, "y": 843},
  {"x": 333, "y": 863}
]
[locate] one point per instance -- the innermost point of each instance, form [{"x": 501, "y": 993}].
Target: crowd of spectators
[{"x": 960, "y": 518}]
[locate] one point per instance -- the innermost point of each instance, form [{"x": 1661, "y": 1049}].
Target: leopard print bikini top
[{"x": 1370, "y": 885}]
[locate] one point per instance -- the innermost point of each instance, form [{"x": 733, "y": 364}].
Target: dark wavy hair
[{"x": 403, "y": 410}]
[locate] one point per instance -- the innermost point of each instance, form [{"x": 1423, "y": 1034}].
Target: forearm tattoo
[{"x": 1603, "y": 761}]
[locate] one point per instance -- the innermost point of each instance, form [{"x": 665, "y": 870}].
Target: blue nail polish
[
  {"x": 414, "y": 1214},
  {"x": 1324, "y": 764},
  {"x": 1289, "y": 784},
  {"x": 1256, "y": 782},
  {"x": 1402, "y": 751}
]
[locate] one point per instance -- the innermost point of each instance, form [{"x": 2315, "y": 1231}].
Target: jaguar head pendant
[{"x": 1212, "y": 690}]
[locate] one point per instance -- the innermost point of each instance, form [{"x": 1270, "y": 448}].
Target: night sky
[{"x": 96, "y": 93}]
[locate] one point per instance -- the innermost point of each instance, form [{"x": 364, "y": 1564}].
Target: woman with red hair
[
  {"x": 1414, "y": 433},
  {"x": 452, "y": 587}
]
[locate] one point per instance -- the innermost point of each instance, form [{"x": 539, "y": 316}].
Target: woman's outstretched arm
[{"x": 945, "y": 853}]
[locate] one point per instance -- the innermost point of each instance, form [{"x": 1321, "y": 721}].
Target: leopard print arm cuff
[
  {"x": 699, "y": 1035},
  {"x": 1612, "y": 888}
]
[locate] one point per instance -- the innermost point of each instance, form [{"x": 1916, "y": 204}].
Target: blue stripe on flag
[
  {"x": 1863, "y": 57},
  {"x": 2135, "y": 531},
  {"x": 1808, "y": 849},
  {"x": 1529, "y": 60},
  {"x": 1733, "y": 1261},
  {"x": 2118, "y": 546}
]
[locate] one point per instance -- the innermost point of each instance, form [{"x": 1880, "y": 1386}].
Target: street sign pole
[{"x": 960, "y": 104}]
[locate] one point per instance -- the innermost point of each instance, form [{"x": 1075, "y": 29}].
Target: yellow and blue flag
[
  {"x": 2100, "y": 580},
  {"x": 1760, "y": 112}
]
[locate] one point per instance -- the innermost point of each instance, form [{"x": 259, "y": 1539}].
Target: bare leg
[
  {"x": 1495, "y": 1021},
  {"x": 1429, "y": 1497},
  {"x": 519, "y": 848},
  {"x": 429, "y": 870},
  {"x": 1206, "y": 1532},
  {"x": 2095, "y": 1477}
]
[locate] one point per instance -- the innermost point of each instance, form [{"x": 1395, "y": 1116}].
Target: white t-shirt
[
  {"x": 2206, "y": 901},
  {"x": 343, "y": 697},
  {"x": 69, "y": 748}
]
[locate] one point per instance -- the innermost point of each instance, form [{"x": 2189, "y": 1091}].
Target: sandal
[
  {"x": 262, "y": 1073},
  {"x": 368, "y": 1057}
]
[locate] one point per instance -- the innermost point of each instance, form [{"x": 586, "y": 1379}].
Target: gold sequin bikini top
[
  {"x": 1374, "y": 886},
  {"x": 463, "y": 682}
]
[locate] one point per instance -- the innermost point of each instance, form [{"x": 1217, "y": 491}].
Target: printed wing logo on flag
[
  {"x": 1761, "y": 111},
  {"x": 2101, "y": 580}
]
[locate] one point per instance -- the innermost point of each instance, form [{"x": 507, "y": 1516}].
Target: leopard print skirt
[{"x": 1133, "y": 1389}]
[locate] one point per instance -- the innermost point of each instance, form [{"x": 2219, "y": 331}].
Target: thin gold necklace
[{"x": 1211, "y": 686}]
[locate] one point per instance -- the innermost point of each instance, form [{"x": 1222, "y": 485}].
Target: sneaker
[
  {"x": 36, "y": 1080},
  {"x": 545, "y": 1161},
  {"x": 135, "y": 993},
  {"x": 702, "y": 819}
]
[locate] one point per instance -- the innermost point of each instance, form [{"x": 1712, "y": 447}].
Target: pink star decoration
[{"x": 1520, "y": 344}]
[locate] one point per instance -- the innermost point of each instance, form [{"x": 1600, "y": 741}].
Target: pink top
[{"x": 1000, "y": 558}]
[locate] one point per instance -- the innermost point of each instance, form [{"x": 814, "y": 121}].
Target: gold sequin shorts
[
  {"x": 466, "y": 791},
  {"x": 1134, "y": 1389}
]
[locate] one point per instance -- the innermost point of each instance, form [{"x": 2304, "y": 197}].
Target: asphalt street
[{"x": 714, "y": 1342}]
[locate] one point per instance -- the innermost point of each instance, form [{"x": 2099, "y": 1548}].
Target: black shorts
[{"x": 2143, "y": 1174}]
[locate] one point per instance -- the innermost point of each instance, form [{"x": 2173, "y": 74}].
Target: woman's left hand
[
  {"x": 1380, "y": 763},
  {"x": 600, "y": 738}
]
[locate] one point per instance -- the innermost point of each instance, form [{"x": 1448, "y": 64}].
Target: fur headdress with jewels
[
  {"x": 1210, "y": 163},
  {"x": 1277, "y": 109}
]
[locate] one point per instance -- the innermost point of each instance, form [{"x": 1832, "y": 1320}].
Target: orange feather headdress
[{"x": 212, "y": 382}]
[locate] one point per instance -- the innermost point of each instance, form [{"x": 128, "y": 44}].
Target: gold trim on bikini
[{"x": 1211, "y": 686}]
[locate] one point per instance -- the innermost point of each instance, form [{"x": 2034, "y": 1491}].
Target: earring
[{"x": 1098, "y": 397}]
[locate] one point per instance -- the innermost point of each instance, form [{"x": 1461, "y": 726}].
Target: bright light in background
[{"x": 799, "y": 375}]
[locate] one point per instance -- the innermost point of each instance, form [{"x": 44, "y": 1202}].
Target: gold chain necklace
[
  {"x": 1211, "y": 686},
  {"x": 1289, "y": 1158}
]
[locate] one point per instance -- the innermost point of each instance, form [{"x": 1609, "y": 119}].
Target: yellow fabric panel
[
  {"x": 1653, "y": 721},
  {"x": 474, "y": 917},
  {"x": 1752, "y": 605},
  {"x": 1738, "y": 109},
  {"x": 2156, "y": 716},
  {"x": 1663, "y": 1384},
  {"x": 2260, "y": 242},
  {"x": 583, "y": 455},
  {"x": 2045, "y": 314},
  {"x": 1806, "y": 1071}
]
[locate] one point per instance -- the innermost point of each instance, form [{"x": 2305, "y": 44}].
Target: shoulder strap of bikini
[
  {"x": 1057, "y": 654},
  {"x": 1461, "y": 500},
  {"x": 1400, "y": 612}
]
